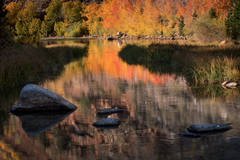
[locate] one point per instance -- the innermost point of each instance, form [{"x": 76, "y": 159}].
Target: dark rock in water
[
  {"x": 110, "y": 38},
  {"x": 110, "y": 111},
  {"x": 203, "y": 128},
  {"x": 107, "y": 122},
  {"x": 34, "y": 124},
  {"x": 189, "y": 135},
  {"x": 36, "y": 99}
]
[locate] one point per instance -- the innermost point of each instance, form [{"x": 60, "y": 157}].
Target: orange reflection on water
[{"x": 103, "y": 58}]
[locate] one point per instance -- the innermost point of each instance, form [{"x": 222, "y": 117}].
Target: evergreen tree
[
  {"x": 194, "y": 15},
  {"x": 233, "y": 20},
  {"x": 181, "y": 25},
  {"x": 212, "y": 13}
]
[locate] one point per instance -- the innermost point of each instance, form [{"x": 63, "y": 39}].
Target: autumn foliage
[
  {"x": 148, "y": 17},
  {"x": 134, "y": 17}
]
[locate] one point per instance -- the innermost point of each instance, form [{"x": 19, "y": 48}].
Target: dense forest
[{"x": 204, "y": 20}]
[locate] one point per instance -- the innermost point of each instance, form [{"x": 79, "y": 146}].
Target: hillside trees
[
  {"x": 233, "y": 20},
  {"x": 94, "y": 21},
  {"x": 134, "y": 17},
  {"x": 53, "y": 14},
  {"x": 28, "y": 25},
  {"x": 74, "y": 18}
]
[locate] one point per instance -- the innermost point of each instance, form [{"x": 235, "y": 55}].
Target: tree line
[{"x": 211, "y": 20}]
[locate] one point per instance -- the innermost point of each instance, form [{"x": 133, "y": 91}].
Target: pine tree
[
  {"x": 181, "y": 25},
  {"x": 194, "y": 16},
  {"x": 233, "y": 20},
  {"x": 212, "y": 13}
]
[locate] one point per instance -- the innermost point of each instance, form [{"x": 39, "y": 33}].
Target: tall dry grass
[{"x": 216, "y": 70}]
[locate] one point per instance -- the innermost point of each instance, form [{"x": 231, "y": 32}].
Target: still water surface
[{"x": 159, "y": 106}]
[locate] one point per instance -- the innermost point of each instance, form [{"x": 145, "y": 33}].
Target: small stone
[
  {"x": 109, "y": 111},
  {"x": 107, "y": 122}
]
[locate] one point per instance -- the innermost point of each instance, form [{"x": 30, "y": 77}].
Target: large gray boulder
[{"x": 36, "y": 99}]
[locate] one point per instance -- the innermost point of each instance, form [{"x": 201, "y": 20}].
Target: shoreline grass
[{"x": 202, "y": 66}]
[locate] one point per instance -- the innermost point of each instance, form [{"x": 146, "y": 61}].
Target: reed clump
[
  {"x": 216, "y": 70},
  {"x": 200, "y": 65}
]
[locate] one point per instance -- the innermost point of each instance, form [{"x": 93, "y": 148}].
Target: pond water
[{"x": 159, "y": 107}]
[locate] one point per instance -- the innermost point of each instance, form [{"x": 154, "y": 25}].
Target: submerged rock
[
  {"x": 107, "y": 122},
  {"x": 110, "y": 38},
  {"x": 189, "y": 135},
  {"x": 203, "y": 128},
  {"x": 36, "y": 99},
  {"x": 109, "y": 111}
]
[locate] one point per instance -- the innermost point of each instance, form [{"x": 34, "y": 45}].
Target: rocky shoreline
[{"x": 111, "y": 38}]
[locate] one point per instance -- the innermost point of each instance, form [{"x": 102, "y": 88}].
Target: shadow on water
[{"x": 204, "y": 67}]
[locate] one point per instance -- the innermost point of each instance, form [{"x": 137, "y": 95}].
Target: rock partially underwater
[
  {"x": 230, "y": 84},
  {"x": 107, "y": 122},
  {"x": 108, "y": 111},
  {"x": 206, "y": 128},
  {"x": 36, "y": 99}
]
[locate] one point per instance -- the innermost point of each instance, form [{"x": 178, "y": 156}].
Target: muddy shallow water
[{"x": 159, "y": 107}]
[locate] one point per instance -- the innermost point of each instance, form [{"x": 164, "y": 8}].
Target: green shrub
[
  {"x": 76, "y": 30},
  {"x": 72, "y": 12},
  {"x": 59, "y": 28},
  {"x": 53, "y": 15},
  {"x": 43, "y": 30},
  {"x": 34, "y": 28}
]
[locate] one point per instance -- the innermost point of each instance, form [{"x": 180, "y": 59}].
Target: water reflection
[
  {"x": 34, "y": 124},
  {"x": 159, "y": 107}
]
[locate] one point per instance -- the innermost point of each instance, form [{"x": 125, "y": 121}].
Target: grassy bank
[
  {"x": 20, "y": 65},
  {"x": 202, "y": 66}
]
